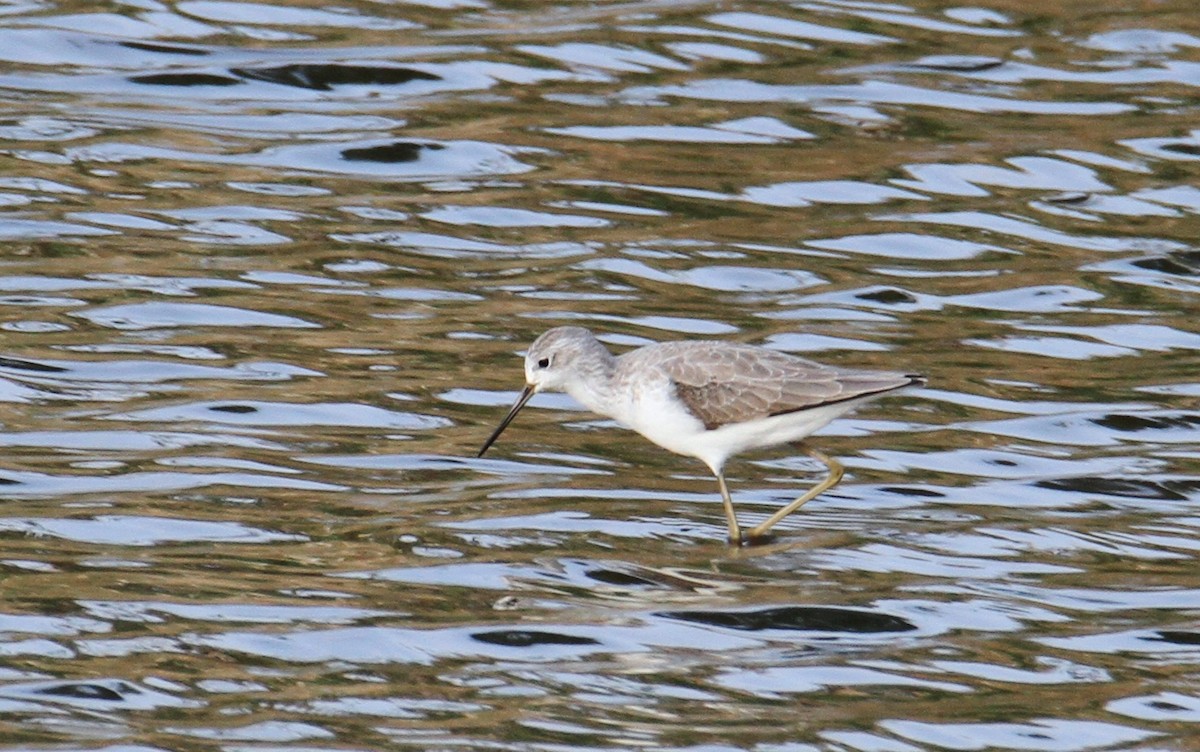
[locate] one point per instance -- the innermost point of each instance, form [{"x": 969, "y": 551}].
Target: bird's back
[{"x": 725, "y": 382}]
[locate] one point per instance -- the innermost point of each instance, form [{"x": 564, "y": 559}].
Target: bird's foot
[
  {"x": 748, "y": 539},
  {"x": 761, "y": 539}
]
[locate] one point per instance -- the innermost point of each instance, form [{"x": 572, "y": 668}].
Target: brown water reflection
[{"x": 267, "y": 269}]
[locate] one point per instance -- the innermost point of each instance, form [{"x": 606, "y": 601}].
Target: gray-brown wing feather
[{"x": 723, "y": 383}]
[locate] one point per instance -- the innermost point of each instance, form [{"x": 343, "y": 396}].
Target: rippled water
[{"x": 267, "y": 269}]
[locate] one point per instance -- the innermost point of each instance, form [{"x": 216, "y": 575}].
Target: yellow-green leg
[
  {"x": 835, "y": 474},
  {"x": 735, "y": 532}
]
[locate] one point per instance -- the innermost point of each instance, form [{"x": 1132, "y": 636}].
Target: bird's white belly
[
  {"x": 653, "y": 411},
  {"x": 677, "y": 430}
]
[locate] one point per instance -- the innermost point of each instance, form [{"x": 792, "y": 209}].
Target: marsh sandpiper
[{"x": 705, "y": 399}]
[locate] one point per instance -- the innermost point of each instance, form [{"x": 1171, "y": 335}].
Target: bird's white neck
[{"x": 592, "y": 386}]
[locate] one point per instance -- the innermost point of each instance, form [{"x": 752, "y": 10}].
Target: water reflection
[
  {"x": 138, "y": 531},
  {"x": 269, "y": 267}
]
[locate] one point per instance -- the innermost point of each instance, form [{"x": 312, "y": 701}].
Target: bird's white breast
[{"x": 651, "y": 407}]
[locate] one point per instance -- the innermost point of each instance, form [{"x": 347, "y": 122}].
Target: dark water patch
[
  {"x": 888, "y": 296},
  {"x": 958, "y": 63},
  {"x": 323, "y": 77},
  {"x": 114, "y": 691},
  {"x": 448, "y": 160},
  {"x": 1184, "y": 147},
  {"x": 624, "y": 579},
  {"x": 166, "y": 49},
  {"x": 797, "y": 618},
  {"x": 1134, "y": 423},
  {"x": 1069, "y": 197},
  {"x": 1179, "y": 636},
  {"x": 524, "y": 638},
  {"x": 398, "y": 151},
  {"x": 30, "y": 365},
  {"x": 95, "y": 694},
  {"x": 925, "y": 493},
  {"x": 1135, "y": 488},
  {"x": 1183, "y": 263},
  {"x": 236, "y": 409},
  {"x": 1164, "y": 705},
  {"x": 185, "y": 79}
]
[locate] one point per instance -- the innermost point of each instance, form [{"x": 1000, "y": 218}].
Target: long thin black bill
[{"x": 516, "y": 408}]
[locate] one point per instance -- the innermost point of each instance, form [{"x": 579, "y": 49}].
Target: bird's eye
[{"x": 544, "y": 363}]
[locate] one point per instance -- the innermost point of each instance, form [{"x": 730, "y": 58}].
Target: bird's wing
[{"x": 727, "y": 383}]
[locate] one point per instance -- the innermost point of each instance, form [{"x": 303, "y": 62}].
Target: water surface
[{"x": 268, "y": 270}]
